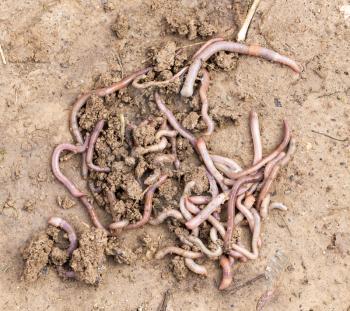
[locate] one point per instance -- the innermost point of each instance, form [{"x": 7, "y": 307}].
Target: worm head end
[
  {"x": 55, "y": 221},
  {"x": 186, "y": 91}
]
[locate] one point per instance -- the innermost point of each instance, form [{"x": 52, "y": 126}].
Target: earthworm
[
  {"x": 268, "y": 158},
  {"x": 202, "y": 150},
  {"x": 151, "y": 179},
  {"x": 203, "y": 90},
  {"x": 148, "y": 204},
  {"x": 122, "y": 83},
  {"x": 167, "y": 133},
  {"x": 269, "y": 166},
  {"x": 172, "y": 120},
  {"x": 90, "y": 151},
  {"x": 214, "y": 222},
  {"x": 207, "y": 211},
  {"x": 223, "y": 168},
  {"x": 255, "y": 132},
  {"x": 213, "y": 187},
  {"x": 200, "y": 199},
  {"x": 153, "y": 148},
  {"x": 248, "y": 203},
  {"x": 174, "y": 151},
  {"x": 226, "y": 161},
  {"x": 264, "y": 208},
  {"x": 184, "y": 240},
  {"x": 278, "y": 205},
  {"x": 232, "y": 202},
  {"x": 92, "y": 213},
  {"x": 162, "y": 159},
  {"x": 194, "y": 267},
  {"x": 246, "y": 212},
  {"x": 256, "y": 233},
  {"x": 187, "y": 89},
  {"x": 144, "y": 85},
  {"x": 112, "y": 200},
  {"x": 184, "y": 211},
  {"x": 205, "y": 45},
  {"x": 178, "y": 251},
  {"x": 237, "y": 255},
  {"x": 166, "y": 214},
  {"x": 119, "y": 224},
  {"x": 227, "y": 276},
  {"x": 64, "y": 225},
  {"x": 198, "y": 242},
  {"x": 290, "y": 152},
  {"x": 68, "y": 274},
  {"x": 56, "y": 167}
]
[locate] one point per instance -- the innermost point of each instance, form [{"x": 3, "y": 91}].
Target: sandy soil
[{"x": 57, "y": 49}]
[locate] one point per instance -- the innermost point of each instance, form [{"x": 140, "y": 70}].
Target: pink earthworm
[
  {"x": 232, "y": 202},
  {"x": 92, "y": 213},
  {"x": 214, "y": 221},
  {"x": 167, "y": 133},
  {"x": 224, "y": 169},
  {"x": 233, "y": 165},
  {"x": 172, "y": 120},
  {"x": 200, "y": 199},
  {"x": 290, "y": 152},
  {"x": 148, "y": 204},
  {"x": 118, "y": 225},
  {"x": 203, "y": 90},
  {"x": 194, "y": 267},
  {"x": 209, "y": 253},
  {"x": 171, "y": 213},
  {"x": 245, "y": 211},
  {"x": 64, "y": 225},
  {"x": 184, "y": 211},
  {"x": 255, "y": 132},
  {"x": 174, "y": 151},
  {"x": 278, "y": 205},
  {"x": 254, "y": 50},
  {"x": 90, "y": 151},
  {"x": 205, "y": 45},
  {"x": 56, "y": 168},
  {"x": 144, "y": 85},
  {"x": 256, "y": 234},
  {"x": 269, "y": 166},
  {"x": 248, "y": 203},
  {"x": 213, "y": 187},
  {"x": 264, "y": 208},
  {"x": 112, "y": 200},
  {"x": 162, "y": 159},
  {"x": 158, "y": 147},
  {"x": 227, "y": 275},
  {"x": 272, "y": 155},
  {"x": 202, "y": 150},
  {"x": 207, "y": 211},
  {"x": 178, "y": 251},
  {"x": 237, "y": 255}
]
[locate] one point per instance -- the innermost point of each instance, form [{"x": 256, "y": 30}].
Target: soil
[{"x": 56, "y": 50}]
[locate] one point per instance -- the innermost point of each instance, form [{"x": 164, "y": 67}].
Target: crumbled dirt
[
  {"x": 120, "y": 253},
  {"x": 178, "y": 268},
  {"x": 190, "y": 122},
  {"x": 121, "y": 26},
  {"x": 199, "y": 176},
  {"x": 169, "y": 189},
  {"x": 164, "y": 57},
  {"x": 88, "y": 261},
  {"x": 29, "y": 205},
  {"x": 58, "y": 256},
  {"x": 65, "y": 202}
]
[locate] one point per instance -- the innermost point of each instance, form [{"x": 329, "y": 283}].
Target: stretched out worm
[
  {"x": 272, "y": 155},
  {"x": 203, "y": 90},
  {"x": 194, "y": 267},
  {"x": 256, "y": 234},
  {"x": 178, "y": 251},
  {"x": 232, "y": 202},
  {"x": 237, "y": 255},
  {"x": 278, "y": 205},
  {"x": 56, "y": 168},
  {"x": 64, "y": 225},
  {"x": 213, "y": 187},
  {"x": 203, "y": 152},
  {"x": 187, "y": 89},
  {"x": 173, "y": 213},
  {"x": 264, "y": 208},
  {"x": 92, "y": 213},
  {"x": 148, "y": 204},
  {"x": 119, "y": 224},
  {"x": 144, "y": 85},
  {"x": 269, "y": 166},
  {"x": 90, "y": 151},
  {"x": 198, "y": 242},
  {"x": 172, "y": 120},
  {"x": 227, "y": 276},
  {"x": 255, "y": 132},
  {"x": 205, "y": 45},
  {"x": 207, "y": 211}
]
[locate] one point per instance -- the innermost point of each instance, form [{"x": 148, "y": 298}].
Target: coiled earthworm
[
  {"x": 226, "y": 161},
  {"x": 119, "y": 224},
  {"x": 172, "y": 120},
  {"x": 200, "y": 199},
  {"x": 153, "y": 148},
  {"x": 178, "y": 251},
  {"x": 56, "y": 167},
  {"x": 148, "y": 204},
  {"x": 194, "y": 267},
  {"x": 198, "y": 242},
  {"x": 272, "y": 155},
  {"x": 64, "y": 225},
  {"x": 162, "y": 159},
  {"x": 232, "y": 202},
  {"x": 144, "y": 85},
  {"x": 205, "y": 45},
  {"x": 167, "y": 133},
  {"x": 173, "y": 213},
  {"x": 203, "y": 90},
  {"x": 226, "y": 278},
  {"x": 202, "y": 150},
  {"x": 255, "y": 132},
  {"x": 92, "y": 213},
  {"x": 187, "y": 89},
  {"x": 207, "y": 211},
  {"x": 90, "y": 151},
  {"x": 256, "y": 234}
]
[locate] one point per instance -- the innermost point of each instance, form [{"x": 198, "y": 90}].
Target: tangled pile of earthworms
[{"x": 237, "y": 196}]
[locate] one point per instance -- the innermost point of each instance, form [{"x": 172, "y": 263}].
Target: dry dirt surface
[{"x": 57, "y": 49}]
